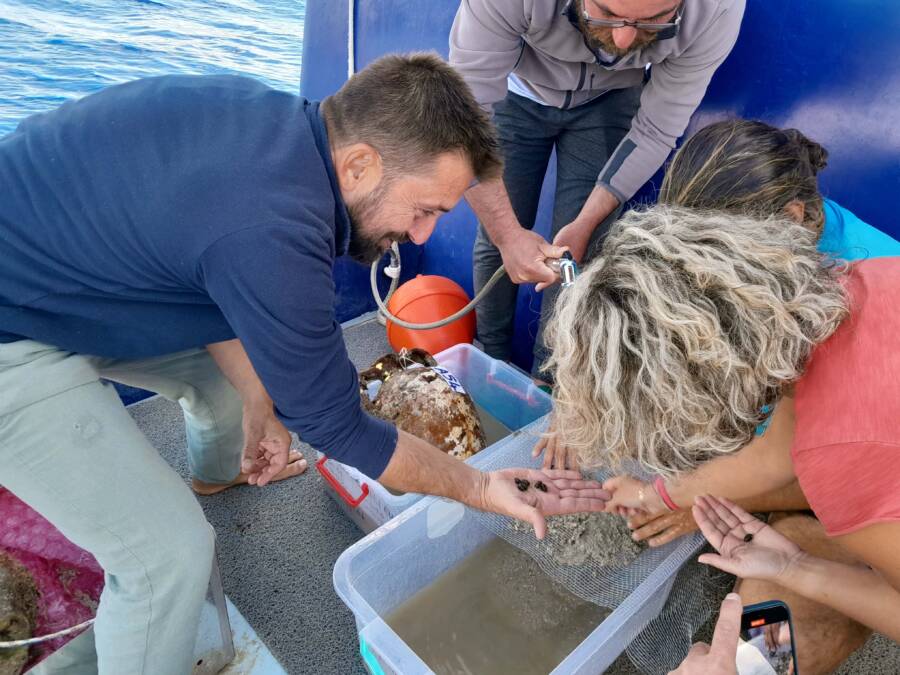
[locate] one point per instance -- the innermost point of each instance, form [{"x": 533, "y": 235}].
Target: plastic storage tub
[
  {"x": 505, "y": 393},
  {"x": 380, "y": 572}
]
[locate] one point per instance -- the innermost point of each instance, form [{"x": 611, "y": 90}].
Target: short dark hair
[
  {"x": 412, "y": 108},
  {"x": 747, "y": 167}
]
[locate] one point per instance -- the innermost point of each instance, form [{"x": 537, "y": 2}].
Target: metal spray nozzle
[{"x": 566, "y": 267}]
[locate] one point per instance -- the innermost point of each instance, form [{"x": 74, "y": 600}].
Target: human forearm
[
  {"x": 599, "y": 204},
  {"x": 417, "y": 466},
  {"x": 856, "y": 591},
  {"x": 235, "y": 365},
  {"x": 490, "y": 202},
  {"x": 741, "y": 478},
  {"x": 762, "y": 467},
  {"x": 576, "y": 236},
  {"x": 787, "y": 498},
  {"x": 750, "y": 549},
  {"x": 524, "y": 252},
  {"x": 525, "y": 494}
]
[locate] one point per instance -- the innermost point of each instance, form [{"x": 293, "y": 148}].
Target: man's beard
[
  {"x": 601, "y": 38},
  {"x": 366, "y": 247}
]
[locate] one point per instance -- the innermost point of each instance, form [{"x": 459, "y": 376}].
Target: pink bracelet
[{"x": 660, "y": 486}]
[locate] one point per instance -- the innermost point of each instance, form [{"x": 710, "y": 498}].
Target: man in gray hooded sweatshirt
[{"x": 610, "y": 85}]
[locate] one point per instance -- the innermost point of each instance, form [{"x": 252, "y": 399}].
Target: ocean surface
[{"x": 55, "y": 50}]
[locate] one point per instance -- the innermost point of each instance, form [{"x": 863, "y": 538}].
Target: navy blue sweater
[{"x": 172, "y": 212}]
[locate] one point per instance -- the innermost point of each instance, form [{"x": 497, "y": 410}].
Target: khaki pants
[{"x": 71, "y": 451}]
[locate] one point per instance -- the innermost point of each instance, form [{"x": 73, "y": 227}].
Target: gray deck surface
[{"x": 277, "y": 547}]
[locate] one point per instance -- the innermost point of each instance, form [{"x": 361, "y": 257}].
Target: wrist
[
  {"x": 257, "y": 403},
  {"x": 585, "y": 225},
  {"x": 478, "y": 490},
  {"x": 649, "y": 499},
  {"x": 504, "y": 232},
  {"x": 665, "y": 500},
  {"x": 600, "y": 203},
  {"x": 798, "y": 571},
  {"x": 471, "y": 488}
]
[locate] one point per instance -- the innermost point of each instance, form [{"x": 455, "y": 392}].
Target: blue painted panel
[
  {"x": 833, "y": 73},
  {"x": 402, "y": 26},
  {"x": 324, "y": 48}
]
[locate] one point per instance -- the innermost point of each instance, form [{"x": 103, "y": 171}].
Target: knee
[
  {"x": 825, "y": 640},
  {"x": 807, "y": 532},
  {"x": 196, "y": 550},
  {"x": 801, "y": 523},
  {"x": 213, "y": 401},
  {"x": 185, "y": 558}
]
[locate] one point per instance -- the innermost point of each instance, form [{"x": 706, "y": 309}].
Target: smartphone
[{"x": 767, "y": 645}]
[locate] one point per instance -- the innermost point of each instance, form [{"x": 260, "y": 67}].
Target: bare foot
[{"x": 296, "y": 466}]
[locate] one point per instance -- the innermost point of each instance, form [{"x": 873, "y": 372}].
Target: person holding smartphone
[
  {"x": 754, "y": 640},
  {"x": 668, "y": 349}
]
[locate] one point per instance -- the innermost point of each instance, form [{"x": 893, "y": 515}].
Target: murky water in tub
[
  {"x": 494, "y": 429},
  {"x": 494, "y": 612}
]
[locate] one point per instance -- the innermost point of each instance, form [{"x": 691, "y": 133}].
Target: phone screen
[{"x": 766, "y": 646}]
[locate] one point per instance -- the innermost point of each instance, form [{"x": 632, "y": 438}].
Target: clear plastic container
[
  {"x": 507, "y": 394},
  {"x": 393, "y": 563}
]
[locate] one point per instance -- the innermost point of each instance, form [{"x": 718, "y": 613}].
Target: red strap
[{"x": 660, "y": 486}]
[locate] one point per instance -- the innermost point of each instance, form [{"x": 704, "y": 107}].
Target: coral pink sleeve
[{"x": 851, "y": 485}]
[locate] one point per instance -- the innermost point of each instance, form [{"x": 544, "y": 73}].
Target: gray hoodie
[{"x": 535, "y": 40}]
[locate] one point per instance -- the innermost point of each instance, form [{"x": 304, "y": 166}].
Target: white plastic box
[
  {"x": 505, "y": 393},
  {"x": 390, "y": 565}
]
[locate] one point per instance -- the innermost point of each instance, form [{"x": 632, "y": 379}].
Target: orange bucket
[{"x": 426, "y": 299}]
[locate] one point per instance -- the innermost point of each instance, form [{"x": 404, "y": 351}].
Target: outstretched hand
[
  {"x": 566, "y": 492},
  {"x": 747, "y": 547}
]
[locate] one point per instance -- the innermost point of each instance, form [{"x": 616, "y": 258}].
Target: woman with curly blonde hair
[
  {"x": 748, "y": 167},
  {"x": 665, "y": 352}
]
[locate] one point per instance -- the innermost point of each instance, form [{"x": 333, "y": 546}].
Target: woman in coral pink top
[{"x": 667, "y": 349}]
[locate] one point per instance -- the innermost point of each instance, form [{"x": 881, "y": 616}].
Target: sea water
[
  {"x": 494, "y": 612},
  {"x": 52, "y": 51}
]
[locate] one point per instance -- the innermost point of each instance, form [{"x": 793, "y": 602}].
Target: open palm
[
  {"x": 747, "y": 547},
  {"x": 566, "y": 492}
]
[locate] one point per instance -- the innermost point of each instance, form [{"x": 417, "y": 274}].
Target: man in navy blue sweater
[{"x": 178, "y": 234}]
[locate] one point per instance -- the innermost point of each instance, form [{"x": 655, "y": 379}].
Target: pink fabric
[
  {"x": 846, "y": 447},
  {"x": 68, "y": 578}
]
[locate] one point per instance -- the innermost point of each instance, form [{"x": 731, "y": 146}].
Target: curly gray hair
[{"x": 671, "y": 343}]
